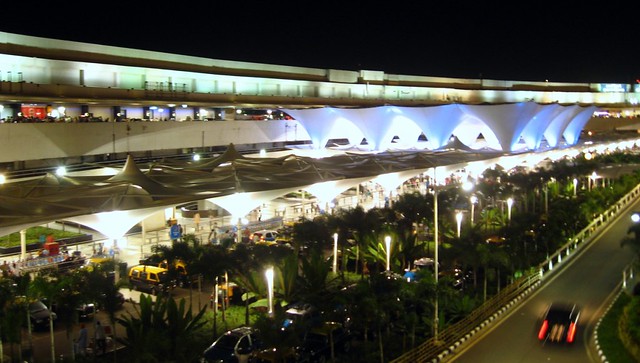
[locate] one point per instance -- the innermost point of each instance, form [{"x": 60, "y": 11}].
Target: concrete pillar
[{"x": 23, "y": 244}]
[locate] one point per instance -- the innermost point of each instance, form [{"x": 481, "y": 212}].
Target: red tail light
[
  {"x": 571, "y": 333},
  {"x": 543, "y": 330}
]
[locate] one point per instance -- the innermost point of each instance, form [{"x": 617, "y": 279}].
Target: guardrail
[{"x": 454, "y": 336}]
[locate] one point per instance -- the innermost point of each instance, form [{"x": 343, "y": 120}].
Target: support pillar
[{"x": 23, "y": 244}]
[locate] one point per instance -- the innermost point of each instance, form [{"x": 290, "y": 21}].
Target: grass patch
[
  {"x": 610, "y": 342},
  {"x": 33, "y": 236}
]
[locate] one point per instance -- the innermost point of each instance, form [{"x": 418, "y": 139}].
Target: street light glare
[{"x": 635, "y": 217}]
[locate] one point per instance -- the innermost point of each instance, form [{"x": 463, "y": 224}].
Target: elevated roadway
[{"x": 591, "y": 279}]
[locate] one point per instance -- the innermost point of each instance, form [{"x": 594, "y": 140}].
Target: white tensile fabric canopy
[{"x": 501, "y": 125}]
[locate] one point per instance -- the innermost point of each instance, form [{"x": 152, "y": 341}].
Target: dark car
[
  {"x": 322, "y": 343},
  {"x": 233, "y": 346},
  {"x": 40, "y": 314},
  {"x": 273, "y": 355},
  {"x": 87, "y": 311},
  {"x": 559, "y": 323},
  {"x": 301, "y": 316}
]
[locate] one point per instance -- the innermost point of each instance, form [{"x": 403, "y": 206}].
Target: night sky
[{"x": 528, "y": 41}]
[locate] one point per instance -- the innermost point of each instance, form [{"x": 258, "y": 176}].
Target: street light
[
  {"x": 269, "y": 275},
  {"x": 509, "y": 205},
  {"x": 335, "y": 253},
  {"x": 467, "y": 186},
  {"x": 459, "y": 220},
  {"x": 387, "y": 241},
  {"x": 575, "y": 186},
  {"x": 474, "y": 200}
]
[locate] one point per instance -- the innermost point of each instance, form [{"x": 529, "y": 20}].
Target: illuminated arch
[
  {"x": 506, "y": 121},
  {"x": 572, "y": 131},
  {"x": 534, "y": 130},
  {"x": 559, "y": 123},
  {"x": 326, "y": 123}
]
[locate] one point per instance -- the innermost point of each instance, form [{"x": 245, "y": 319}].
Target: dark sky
[{"x": 512, "y": 41}]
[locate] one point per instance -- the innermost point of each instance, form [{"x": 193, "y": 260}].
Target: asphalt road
[{"x": 590, "y": 279}]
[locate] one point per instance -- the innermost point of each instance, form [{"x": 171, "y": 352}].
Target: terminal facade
[{"x": 69, "y": 85}]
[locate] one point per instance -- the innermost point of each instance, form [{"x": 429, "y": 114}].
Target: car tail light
[
  {"x": 571, "y": 333},
  {"x": 543, "y": 330}
]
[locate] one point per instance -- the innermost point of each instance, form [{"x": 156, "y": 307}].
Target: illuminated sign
[{"x": 613, "y": 87}]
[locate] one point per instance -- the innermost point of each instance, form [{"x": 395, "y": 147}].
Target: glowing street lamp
[
  {"x": 459, "y": 221},
  {"x": 575, "y": 186},
  {"x": 474, "y": 200},
  {"x": 467, "y": 186},
  {"x": 269, "y": 274},
  {"x": 387, "y": 241},
  {"x": 509, "y": 205},
  {"x": 335, "y": 253}
]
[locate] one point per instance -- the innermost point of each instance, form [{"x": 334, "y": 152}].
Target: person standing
[
  {"x": 101, "y": 338},
  {"x": 82, "y": 340}
]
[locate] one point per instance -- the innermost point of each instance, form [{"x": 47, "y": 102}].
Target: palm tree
[
  {"x": 48, "y": 287},
  {"x": 314, "y": 277},
  {"x": 491, "y": 219},
  {"x": 6, "y": 299},
  {"x": 161, "y": 331},
  {"x": 361, "y": 224},
  {"x": 69, "y": 298}
]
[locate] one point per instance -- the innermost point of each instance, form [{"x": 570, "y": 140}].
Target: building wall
[
  {"x": 49, "y": 141},
  {"x": 104, "y": 76}
]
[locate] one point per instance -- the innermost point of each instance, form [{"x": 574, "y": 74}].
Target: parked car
[
  {"x": 322, "y": 343},
  {"x": 40, "y": 315},
  {"x": 560, "y": 323},
  {"x": 178, "y": 270},
  {"x": 236, "y": 345},
  {"x": 264, "y": 236},
  {"x": 152, "y": 279},
  {"x": 87, "y": 311},
  {"x": 301, "y": 316},
  {"x": 273, "y": 355}
]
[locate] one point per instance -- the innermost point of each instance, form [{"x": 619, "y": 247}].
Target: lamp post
[
  {"x": 466, "y": 187},
  {"x": 387, "y": 241},
  {"x": 269, "y": 275},
  {"x": 474, "y": 200},
  {"x": 509, "y": 205},
  {"x": 335, "y": 253},
  {"x": 435, "y": 262},
  {"x": 459, "y": 221},
  {"x": 575, "y": 186}
]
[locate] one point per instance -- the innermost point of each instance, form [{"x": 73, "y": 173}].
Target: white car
[{"x": 264, "y": 235}]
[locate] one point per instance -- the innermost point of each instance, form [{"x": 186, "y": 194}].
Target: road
[{"x": 591, "y": 279}]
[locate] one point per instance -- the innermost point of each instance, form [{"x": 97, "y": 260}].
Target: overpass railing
[{"x": 454, "y": 336}]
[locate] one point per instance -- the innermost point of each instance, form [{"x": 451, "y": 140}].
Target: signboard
[
  {"x": 613, "y": 87},
  {"x": 174, "y": 231}
]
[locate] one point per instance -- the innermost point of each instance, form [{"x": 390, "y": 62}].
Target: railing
[{"x": 457, "y": 334}]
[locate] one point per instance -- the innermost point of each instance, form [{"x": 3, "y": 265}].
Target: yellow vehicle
[
  {"x": 152, "y": 279},
  {"x": 183, "y": 278}
]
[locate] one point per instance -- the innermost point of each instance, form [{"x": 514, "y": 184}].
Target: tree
[
  {"x": 161, "y": 331},
  {"x": 48, "y": 287}
]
